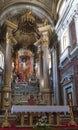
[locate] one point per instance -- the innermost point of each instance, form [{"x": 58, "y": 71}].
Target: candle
[{"x": 7, "y": 95}]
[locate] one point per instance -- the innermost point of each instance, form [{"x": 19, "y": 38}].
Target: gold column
[
  {"x": 57, "y": 118},
  {"x": 30, "y": 119},
  {"x": 22, "y": 119},
  {"x": 6, "y": 93}
]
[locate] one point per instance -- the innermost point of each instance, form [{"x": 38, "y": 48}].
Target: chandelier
[{"x": 27, "y": 22}]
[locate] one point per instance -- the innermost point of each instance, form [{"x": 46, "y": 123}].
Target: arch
[{"x": 38, "y": 8}]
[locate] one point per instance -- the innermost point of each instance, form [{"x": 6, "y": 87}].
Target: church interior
[{"x": 39, "y": 64}]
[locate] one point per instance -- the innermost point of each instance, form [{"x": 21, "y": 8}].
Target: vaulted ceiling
[{"x": 41, "y": 9}]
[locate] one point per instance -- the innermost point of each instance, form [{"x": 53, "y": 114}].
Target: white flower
[{"x": 42, "y": 121}]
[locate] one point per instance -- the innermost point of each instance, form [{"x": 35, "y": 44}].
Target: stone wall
[{"x": 71, "y": 69}]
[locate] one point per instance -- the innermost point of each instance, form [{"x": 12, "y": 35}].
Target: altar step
[
  {"x": 52, "y": 128},
  {"x": 16, "y": 128}
]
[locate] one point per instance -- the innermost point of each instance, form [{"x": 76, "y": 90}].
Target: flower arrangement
[{"x": 42, "y": 123}]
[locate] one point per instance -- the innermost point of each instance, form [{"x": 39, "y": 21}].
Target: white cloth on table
[{"x": 33, "y": 108}]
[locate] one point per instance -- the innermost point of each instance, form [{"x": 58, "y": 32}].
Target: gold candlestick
[
  {"x": 6, "y": 122},
  {"x": 72, "y": 121}
]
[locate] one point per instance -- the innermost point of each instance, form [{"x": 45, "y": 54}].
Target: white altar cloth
[{"x": 31, "y": 108}]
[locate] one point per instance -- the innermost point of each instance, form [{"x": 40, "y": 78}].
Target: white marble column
[
  {"x": 45, "y": 90},
  {"x": 40, "y": 55},
  {"x": 45, "y": 44},
  {"x": 47, "y": 94}
]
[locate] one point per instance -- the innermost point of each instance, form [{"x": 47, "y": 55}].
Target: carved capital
[
  {"x": 46, "y": 33},
  {"x": 9, "y": 32},
  {"x": 45, "y": 42},
  {"x": 45, "y": 38},
  {"x": 45, "y": 28}
]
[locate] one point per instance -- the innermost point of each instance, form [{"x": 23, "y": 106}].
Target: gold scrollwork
[
  {"x": 45, "y": 42},
  {"x": 8, "y": 38}
]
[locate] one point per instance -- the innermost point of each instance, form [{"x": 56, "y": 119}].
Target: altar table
[
  {"x": 33, "y": 108},
  {"x": 38, "y": 109}
]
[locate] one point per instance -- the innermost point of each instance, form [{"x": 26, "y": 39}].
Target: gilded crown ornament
[{"x": 27, "y": 22}]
